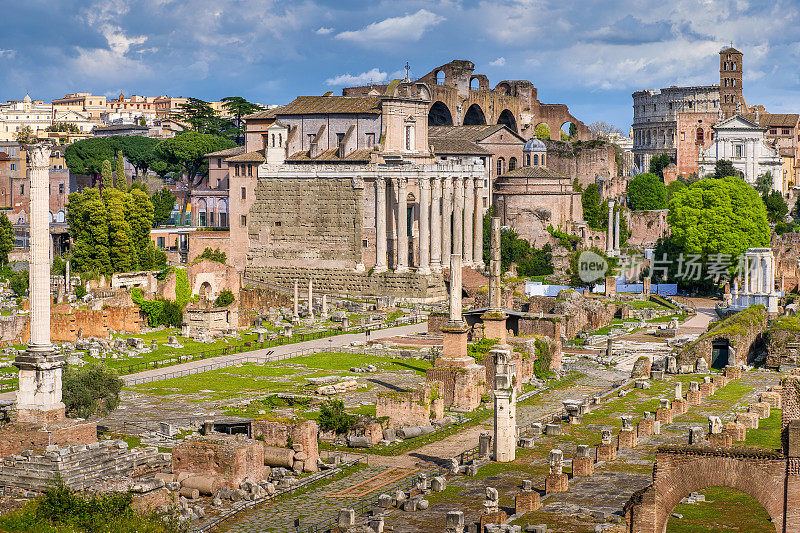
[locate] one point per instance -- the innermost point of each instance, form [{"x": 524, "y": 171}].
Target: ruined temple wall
[
  {"x": 531, "y": 214},
  {"x": 583, "y": 163},
  {"x": 277, "y": 433},
  {"x": 688, "y": 146},
  {"x": 647, "y": 227},
  {"x": 416, "y": 407},
  {"x": 64, "y": 327},
  {"x": 786, "y": 248},
  {"x": 783, "y": 348},
  {"x": 230, "y": 459},
  {"x": 255, "y": 301}
]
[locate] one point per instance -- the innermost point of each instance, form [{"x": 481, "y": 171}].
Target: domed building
[{"x": 534, "y": 153}]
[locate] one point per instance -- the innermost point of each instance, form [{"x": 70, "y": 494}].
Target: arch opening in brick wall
[
  {"x": 507, "y": 117},
  {"x": 570, "y": 129},
  {"x": 474, "y": 116},
  {"x": 756, "y": 521},
  {"x": 439, "y": 115}
]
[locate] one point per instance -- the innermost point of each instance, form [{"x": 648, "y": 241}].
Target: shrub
[
  {"x": 18, "y": 283},
  {"x": 80, "y": 291},
  {"x": 332, "y": 417},
  {"x": 213, "y": 255},
  {"x": 172, "y": 314},
  {"x": 92, "y": 389},
  {"x": 224, "y": 299}
]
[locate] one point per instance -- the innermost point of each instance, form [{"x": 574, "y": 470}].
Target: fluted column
[
  {"x": 436, "y": 225},
  {"x": 381, "y": 264},
  {"x": 447, "y": 221},
  {"x": 402, "y": 225},
  {"x": 40, "y": 250},
  {"x": 469, "y": 222},
  {"x": 477, "y": 251},
  {"x": 310, "y": 299},
  {"x": 458, "y": 216},
  {"x": 610, "y": 237},
  {"x": 424, "y": 225}
]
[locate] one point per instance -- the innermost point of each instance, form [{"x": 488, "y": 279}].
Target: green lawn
[
  {"x": 724, "y": 510},
  {"x": 768, "y": 434}
]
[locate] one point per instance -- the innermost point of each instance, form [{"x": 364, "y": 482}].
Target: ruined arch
[
  {"x": 680, "y": 471},
  {"x": 503, "y": 88},
  {"x": 474, "y": 116},
  {"x": 507, "y": 118},
  {"x": 570, "y": 129},
  {"x": 757, "y": 519},
  {"x": 440, "y": 77},
  {"x": 439, "y": 115},
  {"x": 474, "y": 84},
  {"x": 542, "y": 131}
]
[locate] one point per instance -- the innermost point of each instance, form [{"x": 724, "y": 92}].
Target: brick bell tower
[{"x": 730, "y": 82}]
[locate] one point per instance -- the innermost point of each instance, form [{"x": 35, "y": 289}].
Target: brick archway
[{"x": 681, "y": 470}]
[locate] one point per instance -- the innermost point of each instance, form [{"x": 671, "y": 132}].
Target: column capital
[
  {"x": 424, "y": 182},
  {"x": 380, "y": 182}
]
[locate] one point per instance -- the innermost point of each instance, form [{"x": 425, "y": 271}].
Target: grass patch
[
  {"x": 768, "y": 434},
  {"x": 724, "y": 510}
]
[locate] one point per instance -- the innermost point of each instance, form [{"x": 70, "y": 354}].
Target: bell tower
[{"x": 730, "y": 82}]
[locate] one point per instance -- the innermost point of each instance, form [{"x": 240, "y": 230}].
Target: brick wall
[
  {"x": 647, "y": 227},
  {"x": 64, "y": 327},
  {"x": 277, "y": 433},
  {"x": 231, "y": 459}
]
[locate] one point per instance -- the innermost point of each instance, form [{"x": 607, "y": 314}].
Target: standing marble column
[
  {"x": 477, "y": 250},
  {"x": 324, "y": 314},
  {"x": 381, "y": 264},
  {"x": 436, "y": 225},
  {"x": 424, "y": 226},
  {"x": 458, "y": 216},
  {"x": 610, "y": 236},
  {"x": 616, "y": 232},
  {"x": 469, "y": 223},
  {"x": 40, "y": 367},
  {"x": 296, "y": 308},
  {"x": 310, "y": 299},
  {"x": 447, "y": 221},
  {"x": 402, "y": 225}
]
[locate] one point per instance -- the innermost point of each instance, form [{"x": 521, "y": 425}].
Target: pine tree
[
  {"x": 6, "y": 238},
  {"x": 107, "y": 175},
  {"x": 121, "y": 180}
]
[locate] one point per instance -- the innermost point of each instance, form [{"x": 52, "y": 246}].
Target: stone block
[
  {"x": 732, "y": 372},
  {"x": 582, "y": 466},
  {"x": 526, "y": 442},
  {"x": 760, "y": 408},
  {"x": 454, "y": 522},
  {"x": 646, "y": 427},
  {"x": 627, "y": 438},
  {"x": 535, "y": 429},
  {"x": 526, "y": 501},
  {"x": 693, "y": 398},
  {"x": 696, "y": 436},
  {"x": 772, "y": 398},
  {"x": 556, "y": 483},
  {"x": 719, "y": 381},
  {"x": 664, "y": 416},
  {"x": 553, "y": 429},
  {"x": 495, "y": 517},
  {"x": 736, "y": 430},
  {"x": 438, "y": 484},
  {"x": 679, "y": 407},
  {"x": 722, "y": 440},
  {"x": 748, "y": 420},
  {"x": 347, "y": 518},
  {"x": 706, "y": 389},
  {"x": 606, "y": 452}
]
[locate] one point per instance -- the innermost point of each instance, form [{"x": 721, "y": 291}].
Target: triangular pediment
[{"x": 737, "y": 122}]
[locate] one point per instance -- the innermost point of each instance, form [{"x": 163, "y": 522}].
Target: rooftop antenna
[{"x": 408, "y": 69}]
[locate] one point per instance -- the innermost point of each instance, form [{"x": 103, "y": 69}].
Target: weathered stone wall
[
  {"x": 313, "y": 222},
  {"x": 211, "y": 320},
  {"x": 783, "y": 345},
  {"x": 571, "y": 310},
  {"x": 416, "y": 407},
  {"x": 277, "y": 433},
  {"x": 231, "y": 459},
  {"x": 786, "y": 249},
  {"x": 647, "y": 227},
  {"x": 13, "y": 329},
  {"x": 741, "y": 331},
  {"x": 200, "y": 240},
  {"x": 16, "y": 437},
  {"x": 254, "y": 301},
  {"x": 219, "y": 277},
  {"x": 582, "y": 162},
  {"x": 64, "y": 327},
  {"x": 407, "y": 285}
]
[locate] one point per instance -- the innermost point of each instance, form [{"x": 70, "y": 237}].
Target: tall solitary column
[
  {"x": 39, "y": 395},
  {"x": 296, "y": 308},
  {"x": 381, "y": 264},
  {"x": 310, "y": 299},
  {"x": 424, "y": 226},
  {"x": 616, "y": 232},
  {"x": 469, "y": 222},
  {"x": 494, "y": 319},
  {"x": 436, "y": 225},
  {"x": 402, "y": 225},
  {"x": 458, "y": 217},
  {"x": 477, "y": 251},
  {"x": 610, "y": 236},
  {"x": 447, "y": 221}
]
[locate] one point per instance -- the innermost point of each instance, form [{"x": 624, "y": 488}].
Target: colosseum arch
[
  {"x": 439, "y": 115},
  {"x": 507, "y": 117},
  {"x": 680, "y": 471},
  {"x": 474, "y": 116}
]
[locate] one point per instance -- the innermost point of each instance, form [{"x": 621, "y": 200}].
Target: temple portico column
[
  {"x": 747, "y": 289},
  {"x": 402, "y": 224},
  {"x": 477, "y": 250},
  {"x": 458, "y": 216},
  {"x": 469, "y": 222},
  {"x": 436, "y": 225},
  {"x": 381, "y": 264},
  {"x": 424, "y": 225},
  {"x": 447, "y": 221}
]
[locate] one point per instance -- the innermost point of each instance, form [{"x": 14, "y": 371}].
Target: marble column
[
  {"x": 324, "y": 314},
  {"x": 747, "y": 289},
  {"x": 40, "y": 367},
  {"x": 381, "y": 264},
  {"x": 477, "y": 251},
  {"x": 436, "y": 225},
  {"x": 402, "y": 225},
  {"x": 616, "y": 232},
  {"x": 458, "y": 216},
  {"x": 310, "y": 299},
  {"x": 296, "y": 308},
  {"x": 447, "y": 221},
  {"x": 424, "y": 267},
  {"x": 469, "y": 222},
  {"x": 610, "y": 236},
  {"x": 455, "y": 289}
]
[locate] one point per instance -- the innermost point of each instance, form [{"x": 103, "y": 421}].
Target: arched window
[
  {"x": 273, "y": 140},
  {"x": 543, "y": 163},
  {"x": 528, "y": 160},
  {"x": 280, "y": 139},
  {"x": 201, "y": 213},
  {"x": 700, "y": 136},
  {"x": 512, "y": 163},
  {"x": 60, "y": 217},
  {"x": 536, "y": 159},
  {"x": 439, "y": 78},
  {"x": 501, "y": 166}
]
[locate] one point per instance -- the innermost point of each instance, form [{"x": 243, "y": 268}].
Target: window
[
  {"x": 738, "y": 150},
  {"x": 219, "y": 162},
  {"x": 485, "y": 202},
  {"x": 13, "y": 166},
  {"x": 543, "y": 163},
  {"x": 501, "y": 166},
  {"x": 310, "y": 138},
  {"x": 250, "y": 171},
  {"x": 512, "y": 163},
  {"x": 160, "y": 242},
  {"x": 535, "y": 159},
  {"x": 364, "y": 243},
  {"x": 60, "y": 188},
  {"x": 785, "y": 131},
  {"x": 244, "y": 193},
  {"x": 370, "y": 140},
  {"x": 243, "y": 220},
  {"x": 527, "y": 160},
  {"x": 409, "y": 137},
  {"x": 683, "y": 136},
  {"x": 339, "y": 139},
  {"x": 773, "y": 131},
  {"x": 22, "y": 189},
  {"x": 700, "y": 136},
  {"x": 277, "y": 223}
]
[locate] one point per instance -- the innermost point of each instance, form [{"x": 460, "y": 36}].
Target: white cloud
[
  {"x": 324, "y": 31},
  {"x": 7, "y": 53},
  {"x": 371, "y": 76},
  {"x": 407, "y": 28},
  {"x": 118, "y": 41},
  {"x": 499, "y": 62}
]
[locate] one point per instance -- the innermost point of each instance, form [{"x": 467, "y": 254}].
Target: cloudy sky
[{"x": 588, "y": 54}]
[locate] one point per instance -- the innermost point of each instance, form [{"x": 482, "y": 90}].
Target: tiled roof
[
  {"x": 445, "y": 146},
  {"x": 774, "y": 120},
  {"x": 362, "y": 155},
  {"x": 324, "y": 105},
  {"x": 249, "y": 157},
  {"x": 467, "y": 133},
  {"x": 531, "y": 172},
  {"x": 4, "y": 157},
  {"x": 236, "y": 150},
  {"x": 117, "y": 127}
]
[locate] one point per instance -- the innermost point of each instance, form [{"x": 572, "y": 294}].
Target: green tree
[
  {"x": 239, "y": 107},
  {"x": 595, "y": 211},
  {"x": 332, "y": 417},
  {"x": 188, "y": 151},
  {"x": 88, "y": 227},
  {"x": 18, "y": 283},
  {"x": 163, "y": 203},
  {"x": 224, "y": 299},
  {"x": 67, "y": 127},
  {"x": 542, "y": 131},
  {"x": 674, "y": 187},
  {"x": 764, "y": 184},
  {"x": 658, "y": 163},
  {"x": 718, "y": 216},
  {"x": 85, "y": 157},
  {"x": 121, "y": 249},
  {"x": 573, "y": 130},
  {"x": 6, "y": 238},
  {"x": 107, "y": 181},
  {"x": 776, "y": 206},
  {"x": 89, "y": 390},
  {"x": 139, "y": 151},
  {"x": 647, "y": 191},
  {"x": 162, "y": 168},
  {"x": 24, "y": 135},
  {"x": 724, "y": 168},
  {"x": 119, "y": 176},
  {"x": 213, "y": 255},
  {"x": 200, "y": 116}
]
